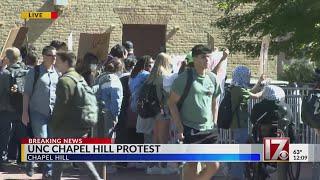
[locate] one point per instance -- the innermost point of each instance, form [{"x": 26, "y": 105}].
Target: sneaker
[
  {"x": 154, "y": 170},
  {"x": 111, "y": 170},
  {"x": 29, "y": 169},
  {"x": 47, "y": 175},
  {"x": 169, "y": 170}
]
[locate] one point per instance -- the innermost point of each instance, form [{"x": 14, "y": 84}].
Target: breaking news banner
[{"x": 101, "y": 150}]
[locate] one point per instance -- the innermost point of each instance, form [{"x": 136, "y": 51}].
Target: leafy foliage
[
  {"x": 294, "y": 26},
  {"x": 299, "y": 71}
]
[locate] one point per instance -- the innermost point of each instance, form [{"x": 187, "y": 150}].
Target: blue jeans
[
  {"x": 240, "y": 136},
  {"x": 39, "y": 123}
]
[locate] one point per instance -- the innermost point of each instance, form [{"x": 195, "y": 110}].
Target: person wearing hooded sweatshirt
[{"x": 240, "y": 95}]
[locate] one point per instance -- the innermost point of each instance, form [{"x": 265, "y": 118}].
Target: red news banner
[
  {"x": 66, "y": 141},
  {"x": 55, "y": 146}
]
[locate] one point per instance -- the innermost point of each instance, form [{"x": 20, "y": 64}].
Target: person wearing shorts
[
  {"x": 156, "y": 129},
  {"x": 195, "y": 120}
]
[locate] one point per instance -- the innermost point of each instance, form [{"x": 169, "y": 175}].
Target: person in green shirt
[
  {"x": 63, "y": 123},
  {"x": 195, "y": 121},
  {"x": 240, "y": 95}
]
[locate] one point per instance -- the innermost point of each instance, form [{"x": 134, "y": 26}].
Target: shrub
[{"x": 299, "y": 71}]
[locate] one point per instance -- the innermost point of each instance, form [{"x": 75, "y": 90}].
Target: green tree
[
  {"x": 294, "y": 26},
  {"x": 299, "y": 71}
]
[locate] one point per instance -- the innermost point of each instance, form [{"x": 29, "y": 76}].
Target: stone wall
[{"x": 194, "y": 19}]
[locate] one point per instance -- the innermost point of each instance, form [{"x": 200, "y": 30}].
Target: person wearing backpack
[
  {"x": 76, "y": 109},
  {"x": 196, "y": 115},
  {"x": 153, "y": 112},
  {"x": 38, "y": 100},
  {"x": 240, "y": 94},
  {"x": 138, "y": 76},
  {"x": 11, "y": 88}
]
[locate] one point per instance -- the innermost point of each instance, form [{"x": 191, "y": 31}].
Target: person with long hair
[
  {"x": 137, "y": 78},
  {"x": 157, "y": 127},
  {"x": 88, "y": 68}
]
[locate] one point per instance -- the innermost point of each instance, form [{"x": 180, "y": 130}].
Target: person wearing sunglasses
[{"x": 39, "y": 99}]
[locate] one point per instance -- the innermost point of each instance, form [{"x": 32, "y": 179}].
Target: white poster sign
[{"x": 70, "y": 42}]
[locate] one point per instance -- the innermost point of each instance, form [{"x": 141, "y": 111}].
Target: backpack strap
[
  {"x": 74, "y": 79},
  {"x": 237, "y": 114},
  {"x": 236, "y": 110},
  {"x": 186, "y": 89},
  {"x": 212, "y": 77},
  {"x": 36, "y": 77}
]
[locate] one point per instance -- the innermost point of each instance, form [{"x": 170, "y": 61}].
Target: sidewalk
[{"x": 14, "y": 172}]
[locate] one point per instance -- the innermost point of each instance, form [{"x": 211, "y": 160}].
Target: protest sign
[{"x": 15, "y": 38}]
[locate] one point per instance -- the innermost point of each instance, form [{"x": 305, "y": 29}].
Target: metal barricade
[{"x": 294, "y": 97}]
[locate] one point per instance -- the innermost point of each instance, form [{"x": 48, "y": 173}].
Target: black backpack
[
  {"x": 225, "y": 113},
  {"x": 17, "y": 81},
  {"x": 148, "y": 103},
  {"x": 275, "y": 114},
  {"x": 311, "y": 109},
  {"x": 17, "y": 78}
]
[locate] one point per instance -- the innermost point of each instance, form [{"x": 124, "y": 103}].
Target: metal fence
[{"x": 294, "y": 97}]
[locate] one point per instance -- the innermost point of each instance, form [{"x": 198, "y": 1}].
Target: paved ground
[{"x": 13, "y": 171}]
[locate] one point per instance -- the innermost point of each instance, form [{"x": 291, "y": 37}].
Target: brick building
[{"x": 173, "y": 25}]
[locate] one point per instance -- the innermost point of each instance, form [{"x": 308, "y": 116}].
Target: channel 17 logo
[{"x": 276, "y": 149}]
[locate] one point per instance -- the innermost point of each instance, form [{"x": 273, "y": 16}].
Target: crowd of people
[{"x": 190, "y": 103}]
